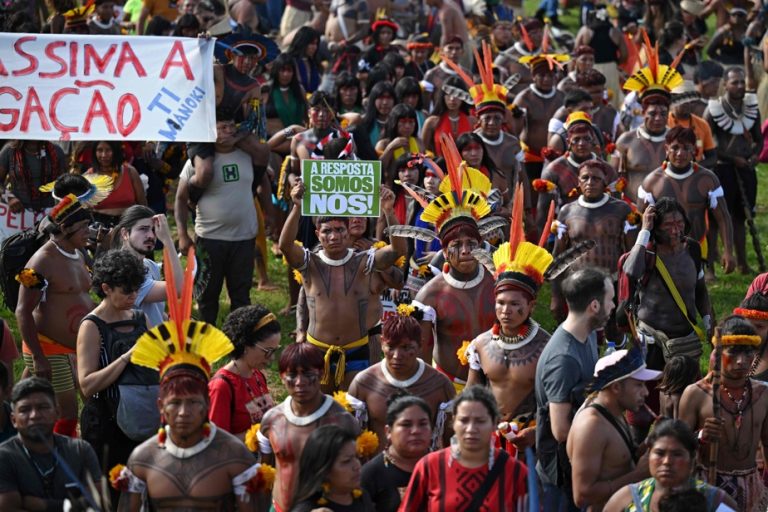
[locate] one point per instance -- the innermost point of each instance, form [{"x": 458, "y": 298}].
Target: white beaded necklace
[
  {"x": 303, "y": 421},
  {"x": 332, "y": 262},
  {"x": 597, "y": 204},
  {"x": 402, "y": 383},
  {"x": 545, "y": 95},
  {"x": 185, "y": 453},
  {"x": 71, "y": 255},
  {"x": 653, "y": 138},
  {"x": 463, "y": 285}
]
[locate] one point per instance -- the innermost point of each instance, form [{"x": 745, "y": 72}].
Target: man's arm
[
  {"x": 142, "y": 20},
  {"x": 129, "y": 502},
  {"x": 634, "y": 265},
  {"x": 181, "y": 214},
  {"x": 294, "y": 254},
  {"x": 29, "y": 298},
  {"x": 560, "y": 417},
  {"x": 387, "y": 255},
  {"x": 725, "y": 226}
]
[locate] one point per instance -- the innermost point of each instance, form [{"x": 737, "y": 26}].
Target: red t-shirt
[
  {"x": 8, "y": 351},
  {"x": 441, "y": 485},
  {"x": 252, "y": 400}
]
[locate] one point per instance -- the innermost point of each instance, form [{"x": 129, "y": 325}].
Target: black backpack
[{"x": 15, "y": 252}]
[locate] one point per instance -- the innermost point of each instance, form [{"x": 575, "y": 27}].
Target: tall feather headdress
[
  {"x": 181, "y": 342},
  {"x": 485, "y": 94},
  {"x": 655, "y": 79},
  {"x": 545, "y": 57},
  {"x": 100, "y": 187}
]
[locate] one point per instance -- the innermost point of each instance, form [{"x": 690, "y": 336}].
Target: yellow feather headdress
[
  {"x": 181, "y": 341},
  {"x": 520, "y": 264},
  {"x": 486, "y": 94},
  {"x": 545, "y": 57},
  {"x": 460, "y": 200},
  {"x": 655, "y": 79},
  {"x": 100, "y": 188}
]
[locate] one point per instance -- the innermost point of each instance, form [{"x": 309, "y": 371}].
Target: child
[{"x": 679, "y": 372}]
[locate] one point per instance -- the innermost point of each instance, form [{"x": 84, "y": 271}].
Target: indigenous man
[
  {"x": 680, "y": 114},
  {"x": 338, "y": 285},
  {"x": 506, "y": 355},
  {"x": 533, "y": 33},
  {"x": 564, "y": 369},
  {"x": 597, "y": 216},
  {"x": 54, "y": 293},
  {"x": 286, "y": 427},
  {"x": 575, "y": 100},
  {"x": 31, "y": 477},
  {"x": 603, "y": 456},
  {"x": 539, "y": 102},
  {"x": 452, "y": 49},
  {"x": 459, "y": 299},
  {"x": 190, "y": 464},
  {"x": 401, "y": 370},
  {"x": 560, "y": 179},
  {"x": 666, "y": 319},
  {"x": 755, "y": 309},
  {"x": 604, "y": 116},
  {"x": 641, "y": 150},
  {"x": 743, "y": 423},
  {"x": 735, "y": 122},
  {"x": 697, "y": 189},
  {"x": 490, "y": 100},
  {"x": 453, "y": 24}
]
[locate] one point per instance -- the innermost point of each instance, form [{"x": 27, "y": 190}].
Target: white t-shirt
[{"x": 227, "y": 210}]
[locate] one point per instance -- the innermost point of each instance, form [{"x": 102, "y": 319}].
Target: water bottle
[{"x": 610, "y": 348}]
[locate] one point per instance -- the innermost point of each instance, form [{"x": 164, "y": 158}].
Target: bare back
[{"x": 638, "y": 158}]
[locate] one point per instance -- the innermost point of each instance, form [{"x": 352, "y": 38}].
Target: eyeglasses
[
  {"x": 268, "y": 352},
  {"x": 311, "y": 377}
]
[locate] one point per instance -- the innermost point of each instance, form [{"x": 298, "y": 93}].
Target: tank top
[
  {"x": 122, "y": 196},
  {"x": 605, "y": 49}
]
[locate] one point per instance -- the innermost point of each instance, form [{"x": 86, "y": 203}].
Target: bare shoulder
[
  {"x": 625, "y": 139},
  {"x": 482, "y": 339},
  {"x": 696, "y": 392},
  {"x": 427, "y": 293},
  {"x": 619, "y": 501},
  {"x": 271, "y": 417},
  {"x": 759, "y": 389}
]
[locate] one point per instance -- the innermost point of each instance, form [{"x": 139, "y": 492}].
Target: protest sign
[
  {"x": 341, "y": 188},
  {"x": 81, "y": 87},
  {"x": 11, "y": 223}
]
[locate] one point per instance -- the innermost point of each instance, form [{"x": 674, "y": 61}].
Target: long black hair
[
  {"x": 304, "y": 36},
  {"x": 317, "y": 458},
  {"x": 440, "y": 108},
  {"x": 464, "y": 140},
  {"x": 347, "y": 79},
  {"x": 380, "y": 89},
  {"x": 399, "y": 111},
  {"x": 284, "y": 60}
]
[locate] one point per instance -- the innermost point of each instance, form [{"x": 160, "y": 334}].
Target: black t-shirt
[
  {"x": 385, "y": 483},
  {"x": 18, "y": 472},
  {"x": 362, "y": 504}
]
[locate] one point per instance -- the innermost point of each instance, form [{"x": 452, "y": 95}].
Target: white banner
[
  {"x": 11, "y": 223},
  {"x": 77, "y": 87}
]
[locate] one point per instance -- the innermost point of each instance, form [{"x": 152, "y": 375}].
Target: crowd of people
[{"x": 615, "y": 166}]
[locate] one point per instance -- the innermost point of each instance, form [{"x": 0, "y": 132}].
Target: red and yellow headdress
[
  {"x": 382, "y": 20},
  {"x": 545, "y": 57},
  {"x": 734, "y": 340},
  {"x": 655, "y": 81},
  {"x": 486, "y": 94},
  {"x": 72, "y": 208},
  {"x": 751, "y": 314},
  {"x": 459, "y": 203},
  {"x": 578, "y": 122},
  {"x": 180, "y": 342}
]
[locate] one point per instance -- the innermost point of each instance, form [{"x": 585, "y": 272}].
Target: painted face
[
  {"x": 502, "y": 34},
  {"x": 408, "y": 175},
  {"x": 344, "y": 475},
  {"x": 737, "y": 361},
  {"x": 402, "y": 357},
  {"x": 303, "y": 385},
  {"x": 141, "y": 238},
  {"x": 348, "y": 95},
  {"x": 333, "y": 236},
  {"x": 581, "y": 144},
  {"x": 655, "y": 118},
  {"x": 671, "y": 230},
  {"x": 632, "y": 394},
  {"x": 459, "y": 254},
  {"x": 473, "y": 154},
  {"x": 490, "y": 123},
  {"x": 473, "y": 426},
  {"x": 453, "y": 51},
  {"x": 320, "y": 117},
  {"x": 669, "y": 462},
  {"x": 35, "y": 411},
  {"x": 77, "y": 234},
  {"x": 679, "y": 154},
  {"x": 384, "y": 104},
  {"x": 411, "y": 433},
  {"x": 406, "y": 126},
  {"x": 513, "y": 307},
  {"x": 185, "y": 414},
  {"x": 261, "y": 354},
  {"x": 592, "y": 183},
  {"x": 104, "y": 155},
  {"x": 452, "y": 103},
  {"x": 244, "y": 64},
  {"x": 285, "y": 75}
]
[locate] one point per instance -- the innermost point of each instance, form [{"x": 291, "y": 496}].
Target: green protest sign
[{"x": 343, "y": 188}]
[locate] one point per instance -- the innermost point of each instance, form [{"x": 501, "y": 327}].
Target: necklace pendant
[{"x": 738, "y": 422}]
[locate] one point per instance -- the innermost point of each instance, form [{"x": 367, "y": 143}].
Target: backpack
[
  {"x": 628, "y": 296},
  {"x": 15, "y": 252}
]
